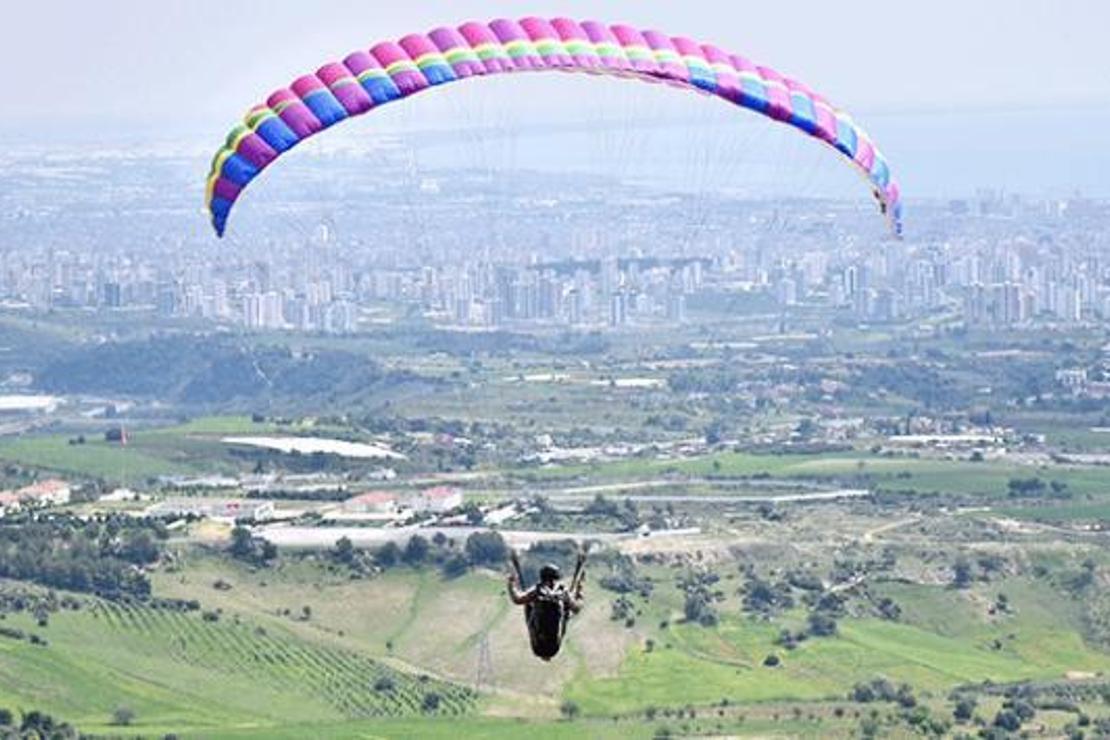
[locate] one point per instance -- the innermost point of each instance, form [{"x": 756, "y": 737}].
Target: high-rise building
[
  {"x": 676, "y": 307},
  {"x": 111, "y": 296},
  {"x": 271, "y": 310},
  {"x": 786, "y": 291},
  {"x": 618, "y": 309},
  {"x": 252, "y": 310}
]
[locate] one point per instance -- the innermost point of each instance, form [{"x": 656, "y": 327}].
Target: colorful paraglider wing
[{"x": 391, "y": 71}]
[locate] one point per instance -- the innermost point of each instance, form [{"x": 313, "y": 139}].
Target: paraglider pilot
[{"x": 548, "y": 605}]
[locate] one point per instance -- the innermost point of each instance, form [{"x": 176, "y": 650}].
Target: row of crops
[{"x": 354, "y": 684}]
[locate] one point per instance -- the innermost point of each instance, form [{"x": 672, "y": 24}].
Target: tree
[
  {"x": 569, "y": 710},
  {"x": 123, "y": 716},
  {"x": 139, "y": 547},
  {"x": 714, "y": 433},
  {"x": 474, "y": 515},
  {"x": 64, "y": 552},
  {"x": 431, "y": 701},
  {"x": 6, "y": 718},
  {"x": 486, "y": 549},
  {"x": 344, "y": 551},
  {"x": 965, "y": 709},
  {"x": 1007, "y": 720},
  {"x": 961, "y": 573},
  {"x": 242, "y": 543},
  {"x": 388, "y": 555},
  {"x": 268, "y": 551},
  {"x": 455, "y": 566},
  {"x": 862, "y": 693},
  {"x": 416, "y": 551},
  {"x": 806, "y": 428},
  {"x": 698, "y": 608},
  {"x": 905, "y": 697},
  {"x": 821, "y": 624},
  {"x": 1025, "y": 487},
  {"x": 38, "y": 724}
]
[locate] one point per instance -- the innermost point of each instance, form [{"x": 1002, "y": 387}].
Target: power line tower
[{"x": 484, "y": 676}]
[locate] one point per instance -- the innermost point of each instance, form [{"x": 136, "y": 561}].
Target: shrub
[
  {"x": 123, "y": 716},
  {"x": 431, "y": 701}
]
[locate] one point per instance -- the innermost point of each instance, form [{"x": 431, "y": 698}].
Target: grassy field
[
  {"x": 192, "y": 448},
  {"x": 511, "y": 729},
  {"x": 264, "y": 669},
  {"x": 95, "y": 459},
  {"x": 416, "y": 618},
  {"x": 209, "y": 674},
  {"x": 705, "y": 666},
  {"x": 196, "y": 448},
  {"x": 883, "y": 473},
  {"x": 1059, "y": 513}
]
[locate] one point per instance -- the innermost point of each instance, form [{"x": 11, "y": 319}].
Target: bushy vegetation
[
  {"x": 203, "y": 370},
  {"x": 100, "y": 556},
  {"x": 35, "y": 725},
  {"x": 700, "y": 597},
  {"x": 481, "y": 550},
  {"x": 250, "y": 549}
]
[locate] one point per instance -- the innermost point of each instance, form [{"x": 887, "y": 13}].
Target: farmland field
[{"x": 253, "y": 662}]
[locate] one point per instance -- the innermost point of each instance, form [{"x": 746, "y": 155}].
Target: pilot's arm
[
  {"x": 516, "y": 595},
  {"x": 576, "y": 600}
]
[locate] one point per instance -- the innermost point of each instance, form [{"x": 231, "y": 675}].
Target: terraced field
[
  {"x": 354, "y": 685},
  {"x": 226, "y": 673}
]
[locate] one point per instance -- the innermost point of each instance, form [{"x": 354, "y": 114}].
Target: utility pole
[{"x": 484, "y": 678}]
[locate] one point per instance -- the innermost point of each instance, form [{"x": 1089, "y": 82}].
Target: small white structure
[
  {"x": 313, "y": 445},
  {"x": 230, "y": 510},
  {"x": 15, "y": 405},
  {"x": 1074, "y": 379},
  {"x": 121, "y": 495},
  {"x": 438, "y": 500},
  {"x": 9, "y": 503},
  {"x": 382, "y": 474},
  {"x": 51, "y": 492},
  {"x": 371, "y": 502}
]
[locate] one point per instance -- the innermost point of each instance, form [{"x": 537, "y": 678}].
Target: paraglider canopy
[{"x": 391, "y": 71}]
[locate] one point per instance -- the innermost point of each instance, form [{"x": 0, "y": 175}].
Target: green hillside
[{"x": 385, "y": 656}]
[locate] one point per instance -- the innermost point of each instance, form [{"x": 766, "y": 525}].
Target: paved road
[
  {"x": 693, "y": 498},
  {"x": 322, "y": 537}
]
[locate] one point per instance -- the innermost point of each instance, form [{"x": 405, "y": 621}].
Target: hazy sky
[
  {"x": 152, "y": 59},
  {"x": 197, "y": 64}
]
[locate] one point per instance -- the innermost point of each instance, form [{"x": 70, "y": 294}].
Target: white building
[
  {"x": 1073, "y": 379},
  {"x": 438, "y": 499},
  {"x": 9, "y": 503},
  {"x": 52, "y": 492},
  {"x": 231, "y": 510},
  {"x": 371, "y": 502}
]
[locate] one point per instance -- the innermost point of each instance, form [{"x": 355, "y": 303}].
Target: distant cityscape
[{"x": 468, "y": 252}]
